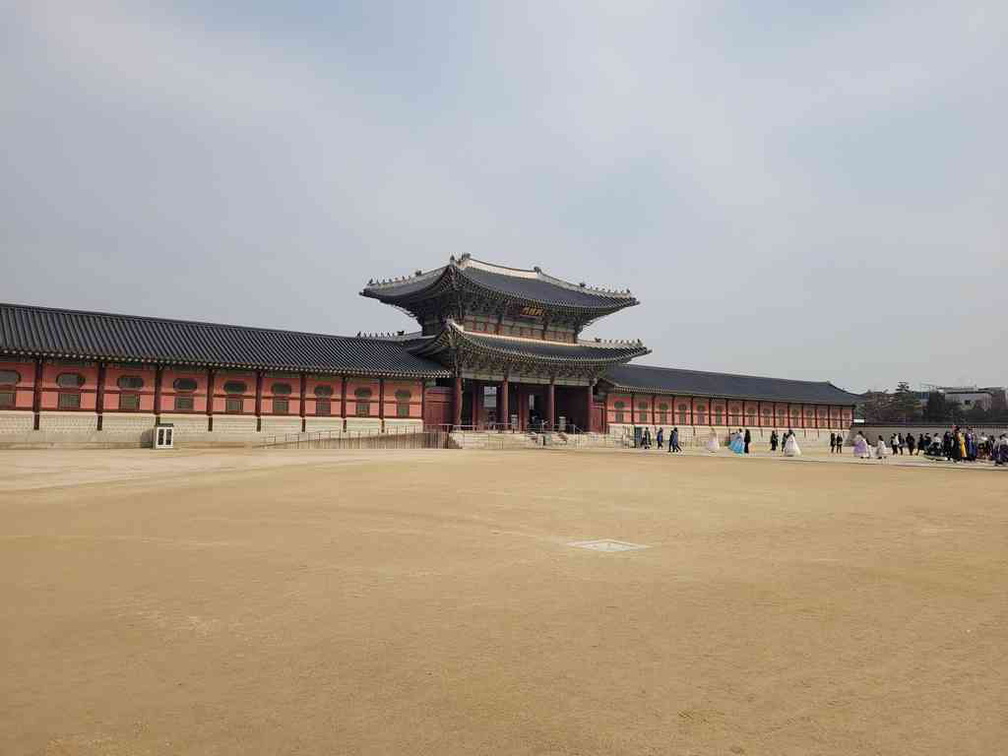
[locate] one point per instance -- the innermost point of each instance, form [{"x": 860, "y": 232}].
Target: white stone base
[
  {"x": 334, "y": 424},
  {"x": 234, "y": 425},
  {"x": 17, "y": 428},
  {"x": 77, "y": 423},
  {"x": 280, "y": 424},
  {"x": 127, "y": 429},
  {"x": 403, "y": 424},
  {"x": 363, "y": 425}
]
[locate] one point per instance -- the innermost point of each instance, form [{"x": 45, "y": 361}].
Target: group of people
[
  {"x": 953, "y": 445},
  {"x": 787, "y": 442}
]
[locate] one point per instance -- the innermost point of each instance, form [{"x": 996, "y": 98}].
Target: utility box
[{"x": 164, "y": 436}]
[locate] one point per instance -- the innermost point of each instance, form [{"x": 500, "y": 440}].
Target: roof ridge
[
  {"x": 536, "y": 272},
  {"x": 178, "y": 321}
]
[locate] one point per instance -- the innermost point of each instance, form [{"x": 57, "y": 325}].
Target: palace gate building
[{"x": 497, "y": 348}]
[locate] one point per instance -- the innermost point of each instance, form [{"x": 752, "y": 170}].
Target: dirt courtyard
[{"x": 430, "y": 602}]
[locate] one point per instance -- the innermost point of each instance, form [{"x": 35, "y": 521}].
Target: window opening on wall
[
  {"x": 701, "y": 414},
  {"x": 363, "y": 396},
  {"x": 129, "y": 399},
  {"x": 663, "y": 413},
  {"x": 281, "y": 398},
  {"x": 402, "y": 397},
  {"x": 233, "y": 401},
  {"x": 619, "y": 408},
  {"x": 8, "y": 380},
  {"x": 184, "y": 387},
  {"x": 323, "y": 401},
  {"x": 70, "y": 395},
  {"x": 683, "y": 413}
]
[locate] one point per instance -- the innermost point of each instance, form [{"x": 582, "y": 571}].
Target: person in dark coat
[
  {"x": 911, "y": 443},
  {"x": 747, "y": 439},
  {"x": 773, "y": 440},
  {"x": 832, "y": 442},
  {"x": 660, "y": 437},
  {"x": 673, "y": 444}
]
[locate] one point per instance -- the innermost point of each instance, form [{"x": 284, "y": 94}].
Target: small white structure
[{"x": 164, "y": 436}]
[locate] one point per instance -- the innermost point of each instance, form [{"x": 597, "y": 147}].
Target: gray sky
[{"x": 814, "y": 193}]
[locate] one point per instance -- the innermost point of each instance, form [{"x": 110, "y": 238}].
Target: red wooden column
[
  {"x": 211, "y": 374},
  {"x": 303, "y": 410},
  {"x": 381, "y": 403},
  {"x": 457, "y": 402},
  {"x": 258, "y": 401},
  {"x": 589, "y": 409},
  {"x": 37, "y": 392},
  {"x": 502, "y": 402},
  {"x": 423, "y": 403},
  {"x": 342, "y": 403},
  {"x": 633, "y": 408},
  {"x": 158, "y": 378},
  {"x": 551, "y": 404},
  {"x": 477, "y": 401},
  {"x": 100, "y": 398}
]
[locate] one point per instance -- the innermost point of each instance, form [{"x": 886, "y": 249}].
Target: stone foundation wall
[{"x": 71, "y": 429}]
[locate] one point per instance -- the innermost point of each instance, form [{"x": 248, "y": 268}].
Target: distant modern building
[
  {"x": 971, "y": 397},
  {"x": 498, "y": 348}
]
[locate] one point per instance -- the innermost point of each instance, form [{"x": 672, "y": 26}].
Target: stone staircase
[{"x": 492, "y": 440}]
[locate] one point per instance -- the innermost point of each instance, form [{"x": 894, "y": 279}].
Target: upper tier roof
[
  {"x": 661, "y": 380},
  {"x": 529, "y": 286},
  {"x": 71, "y": 334}
]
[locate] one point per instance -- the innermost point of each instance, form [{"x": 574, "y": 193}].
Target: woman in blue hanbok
[{"x": 737, "y": 443}]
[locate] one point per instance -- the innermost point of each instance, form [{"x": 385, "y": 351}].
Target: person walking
[
  {"x": 910, "y": 444},
  {"x": 832, "y": 443},
  {"x": 659, "y": 438},
  {"x": 920, "y": 443},
  {"x": 747, "y": 438},
  {"x": 773, "y": 440},
  {"x": 674, "y": 442}
]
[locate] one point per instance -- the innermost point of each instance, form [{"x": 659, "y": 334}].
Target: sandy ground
[{"x": 430, "y": 603}]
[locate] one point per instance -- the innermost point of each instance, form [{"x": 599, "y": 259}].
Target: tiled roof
[
  {"x": 595, "y": 352},
  {"x": 532, "y": 286},
  {"x": 45, "y": 332},
  {"x": 725, "y": 385}
]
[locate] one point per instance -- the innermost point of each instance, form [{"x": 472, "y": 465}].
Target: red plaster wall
[
  {"x": 415, "y": 402},
  {"x": 24, "y": 390},
  {"x": 220, "y": 395},
  {"x": 50, "y": 391},
  {"x": 683, "y": 417},
  {"x": 642, "y": 410},
  {"x": 361, "y": 383},
  {"x": 718, "y": 405},
  {"x": 781, "y": 415},
  {"x": 333, "y": 381},
  {"x": 752, "y": 414},
  {"x": 669, "y": 417},
  {"x": 112, "y": 375},
  {"x": 736, "y": 416},
  {"x": 293, "y": 398},
  {"x": 701, "y": 412},
  {"x": 611, "y": 408},
  {"x": 767, "y": 421},
  {"x": 168, "y": 378}
]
